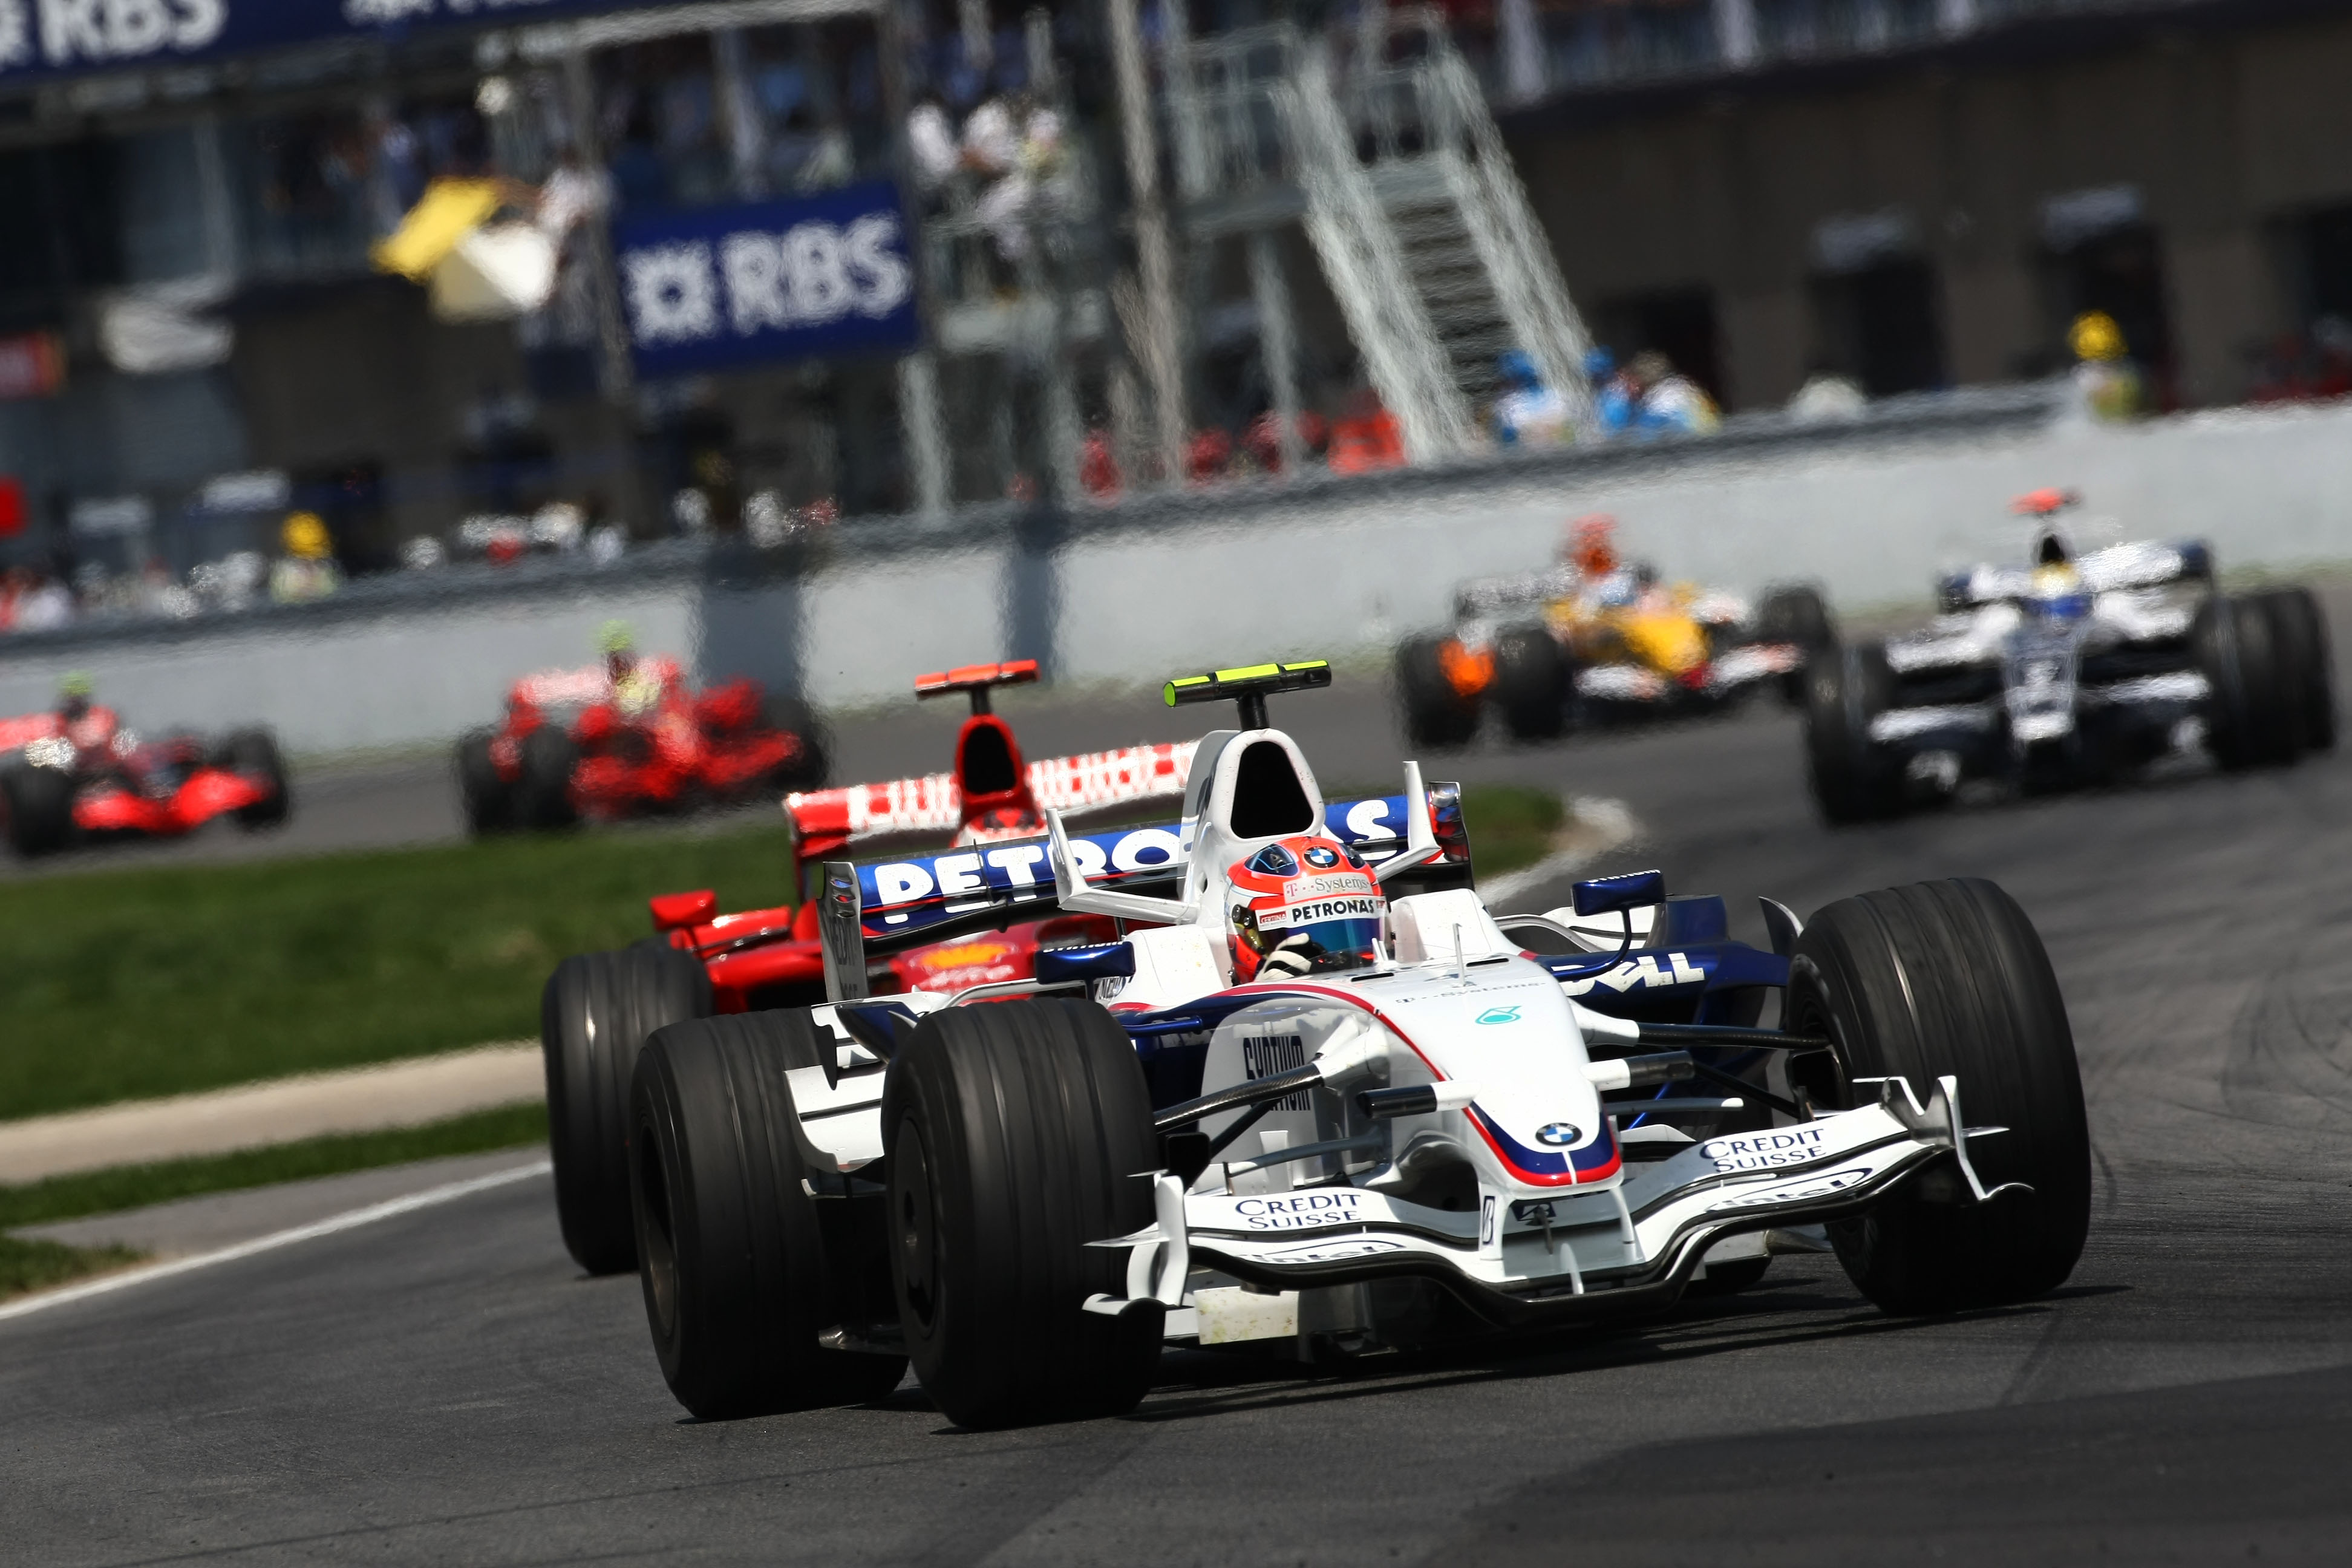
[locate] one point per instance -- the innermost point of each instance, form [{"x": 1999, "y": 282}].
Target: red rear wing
[
  {"x": 976, "y": 677},
  {"x": 32, "y": 727},
  {"x": 825, "y": 820}
]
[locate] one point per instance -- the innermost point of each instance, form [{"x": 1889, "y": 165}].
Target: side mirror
[
  {"x": 1101, "y": 961},
  {"x": 676, "y": 912},
  {"x": 1609, "y": 895}
]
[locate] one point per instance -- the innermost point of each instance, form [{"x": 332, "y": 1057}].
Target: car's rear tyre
[
  {"x": 2307, "y": 663},
  {"x": 2251, "y": 715},
  {"x": 1950, "y": 978},
  {"x": 543, "y": 795},
  {"x": 39, "y": 805},
  {"x": 737, "y": 1283},
  {"x": 812, "y": 762},
  {"x": 489, "y": 799},
  {"x": 1796, "y": 615},
  {"x": 594, "y": 1016},
  {"x": 253, "y": 753},
  {"x": 1845, "y": 688},
  {"x": 1015, "y": 1134},
  {"x": 1531, "y": 683},
  {"x": 1434, "y": 713}
]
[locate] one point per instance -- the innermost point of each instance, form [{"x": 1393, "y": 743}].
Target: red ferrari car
[
  {"x": 598, "y": 1008},
  {"x": 627, "y": 738},
  {"x": 76, "y": 774}
]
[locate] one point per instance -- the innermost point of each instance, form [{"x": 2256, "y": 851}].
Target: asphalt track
[{"x": 442, "y": 1388}]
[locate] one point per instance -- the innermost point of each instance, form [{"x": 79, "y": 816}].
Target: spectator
[
  {"x": 1527, "y": 413},
  {"x": 2106, "y": 384},
  {"x": 1670, "y": 400},
  {"x": 308, "y": 570},
  {"x": 1017, "y": 145},
  {"x": 43, "y": 603},
  {"x": 1827, "y": 395},
  {"x": 1368, "y": 438},
  {"x": 932, "y": 137},
  {"x": 1099, "y": 473},
  {"x": 1614, "y": 394}
]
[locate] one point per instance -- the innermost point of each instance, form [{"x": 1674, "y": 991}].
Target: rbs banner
[{"x": 810, "y": 278}]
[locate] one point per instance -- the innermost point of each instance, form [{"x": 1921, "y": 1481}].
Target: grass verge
[
  {"x": 26, "y": 1265},
  {"x": 149, "y": 980},
  {"x": 135, "y": 1186},
  {"x": 1511, "y": 825},
  {"x": 126, "y": 983}
]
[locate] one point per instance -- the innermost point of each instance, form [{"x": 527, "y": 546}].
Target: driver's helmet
[
  {"x": 1303, "y": 905},
  {"x": 2057, "y": 583},
  {"x": 618, "y": 644},
  {"x": 1591, "y": 545},
  {"x": 74, "y": 693}
]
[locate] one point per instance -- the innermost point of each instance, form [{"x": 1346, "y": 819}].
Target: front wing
[{"x": 1542, "y": 1258}]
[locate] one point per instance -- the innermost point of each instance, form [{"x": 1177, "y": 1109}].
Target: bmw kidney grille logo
[
  {"x": 1321, "y": 855},
  {"x": 1558, "y": 1134}
]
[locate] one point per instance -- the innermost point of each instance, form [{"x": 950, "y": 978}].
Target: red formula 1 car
[
  {"x": 76, "y": 774},
  {"x": 598, "y": 1008},
  {"x": 627, "y": 738}
]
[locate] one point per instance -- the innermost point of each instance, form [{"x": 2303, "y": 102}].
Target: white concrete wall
[{"x": 2269, "y": 488}]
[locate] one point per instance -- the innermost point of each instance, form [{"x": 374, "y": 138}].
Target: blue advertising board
[
  {"x": 810, "y": 278},
  {"x": 43, "y": 39}
]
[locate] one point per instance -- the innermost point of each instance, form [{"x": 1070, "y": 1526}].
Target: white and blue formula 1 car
[
  {"x": 2071, "y": 671},
  {"x": 1302, "y": 1106}
]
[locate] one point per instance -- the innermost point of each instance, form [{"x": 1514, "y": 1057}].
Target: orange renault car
[
  {"x": 599, "y": 1007},
  {"x": 1598, "y": 639}
]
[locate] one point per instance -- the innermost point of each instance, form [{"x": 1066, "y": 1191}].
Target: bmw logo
[
  {"x": 1558, "y": 1134},
  {"x": 1322, "y": 856}
]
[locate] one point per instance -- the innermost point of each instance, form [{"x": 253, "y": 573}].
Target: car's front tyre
[
  {"x": 1950, "y": 978},
  {"x": 37, "y": 807},
  {"x": 1018, "y": 1132},
  {"x": 737, "y": 1280},
  {"x": 1434, "y": 713},
  {"x": 1853, "y": 779}
]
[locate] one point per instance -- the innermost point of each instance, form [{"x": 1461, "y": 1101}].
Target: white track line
[
  {"x": 351, "y": 1220},
  {"x": 1613, "y": 825}
]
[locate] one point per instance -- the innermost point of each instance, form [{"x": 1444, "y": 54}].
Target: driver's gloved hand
[{"x": 1294, "y": 957}]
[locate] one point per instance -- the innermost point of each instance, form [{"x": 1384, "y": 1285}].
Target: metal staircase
[{"x": 1397, "y": 171}]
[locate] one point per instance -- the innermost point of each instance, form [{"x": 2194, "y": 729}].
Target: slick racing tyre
[
  {"x": 1800, "y": 616},
  {"x": 253, "y": 753},
  {"x": 1949, "y": 978},
  {"x": 738, "y": 1280},
  {"x": 594, "y": 1017},
  {"x": 38, "y": 805},
  {"x": 811, "y": 764},
  {"x": 2299, "y": 627},
  {"x": 1530, "y": 683},
  {"x": 489, "y": 800},
  {"x": 1434, "y": 713},
  {"x": 1014, "y": 1134},
  {"x": 2253, "y": 707},
  {"x": 543, "y": 795},
  {"x": 1845, "y": 688}
]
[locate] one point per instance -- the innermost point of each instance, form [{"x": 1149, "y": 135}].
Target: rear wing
[
  {"x": 878, "y": 907},
  {"x": 24, "y": 731},
  {"x": 586, "y": 685},
  {"x": 827, "y": 821},
  {"x": 2136, "y": 564},
  {"x": 1486, "y": 597}
]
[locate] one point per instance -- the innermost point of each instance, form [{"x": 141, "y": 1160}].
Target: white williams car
[
  {"x": 1313, "y": 1102},
  {"x": 2074, "y": 670}
]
